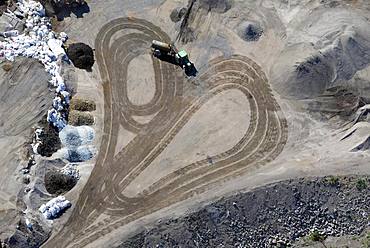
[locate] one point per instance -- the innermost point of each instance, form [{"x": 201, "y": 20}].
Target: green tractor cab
[{"x": 183, "y": 60}]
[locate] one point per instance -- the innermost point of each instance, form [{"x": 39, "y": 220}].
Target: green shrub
[
  {"x": 316, "y": 236},
  {"x": 332, "y": 180},
  {"x": 361, "y": 184}
]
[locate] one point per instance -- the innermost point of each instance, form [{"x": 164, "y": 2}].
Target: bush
[
  {"x": 78, "y": 118},
  {"x": 82, "y": 105},
  {"x": 82, "y": 55},
  {"x": 361, "y": 184},
  {"x": 316, "y": 236},
  {"x": 333, "y": 180}
]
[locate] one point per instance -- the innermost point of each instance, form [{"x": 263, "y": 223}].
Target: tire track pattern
[{"x": 174, "y": 105}]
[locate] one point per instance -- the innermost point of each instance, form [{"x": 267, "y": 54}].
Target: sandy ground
[
  {"x": 306, "y": 48},
  {"x": 24, "y": 99}
]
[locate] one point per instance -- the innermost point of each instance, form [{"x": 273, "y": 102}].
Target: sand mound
[
  {"x": 322, "y": 52},
  {"x": 250, "y": 31},
  {"x": 358, "y": 137}
]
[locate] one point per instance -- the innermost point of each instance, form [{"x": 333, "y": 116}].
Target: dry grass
[
  {"x": 82, "y": 105},
  {"x": 78, "y": 118},
  {"x": 7, "y": 66}
]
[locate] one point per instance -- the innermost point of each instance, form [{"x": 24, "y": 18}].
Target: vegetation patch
[
  {"x": 361, "y": 184},
  {"x": 332, "y": 181},
  {"x": 316, "y": 236}
]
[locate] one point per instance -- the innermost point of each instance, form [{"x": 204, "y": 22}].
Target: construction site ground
[
  {"x": 168, "y": 144},
  {"x": 171, "y": 144}
]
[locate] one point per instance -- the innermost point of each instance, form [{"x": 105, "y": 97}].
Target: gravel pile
[
  {"x": 81, "y": 55},
  {"x": 57, "y": 182},
  {"x": 50, "y": 141},
  {"x": 276, "y": 215},
  {"x": 250, "y": 31}
]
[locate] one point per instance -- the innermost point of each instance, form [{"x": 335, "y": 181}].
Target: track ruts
[{"x": 173, "y": 106}]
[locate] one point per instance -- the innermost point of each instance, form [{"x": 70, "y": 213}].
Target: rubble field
[{"x": 276, "y": 215}]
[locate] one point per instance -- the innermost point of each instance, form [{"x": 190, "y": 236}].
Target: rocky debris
[
  {"x": 27, "y": 237},
  {"x": 277, "y": 215},
  {"x": 177, "y": 14},
  {"x": 81, "y": 55},
  {"x": 250, "y": 31}
]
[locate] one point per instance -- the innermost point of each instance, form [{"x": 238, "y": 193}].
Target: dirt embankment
[{"x": 278, "y": 214}]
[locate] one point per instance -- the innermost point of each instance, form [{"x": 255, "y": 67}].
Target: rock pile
[
  {"x": 61, "y": 181},
  {"x": 273, "y": 216}
]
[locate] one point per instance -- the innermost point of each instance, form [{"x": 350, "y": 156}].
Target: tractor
[{"x": 169, "y": 53}]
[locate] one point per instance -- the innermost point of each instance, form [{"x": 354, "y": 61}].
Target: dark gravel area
[
  {"x": 277, "y": 215},
  {"x": 81, "y": 55},
  {"x": 58, "y": 183},
  {"x": 50, "y": 141},
  {"x": 24, "y": 237}
]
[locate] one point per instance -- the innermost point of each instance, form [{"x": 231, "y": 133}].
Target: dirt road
[{"x": 102, "y": 207}]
